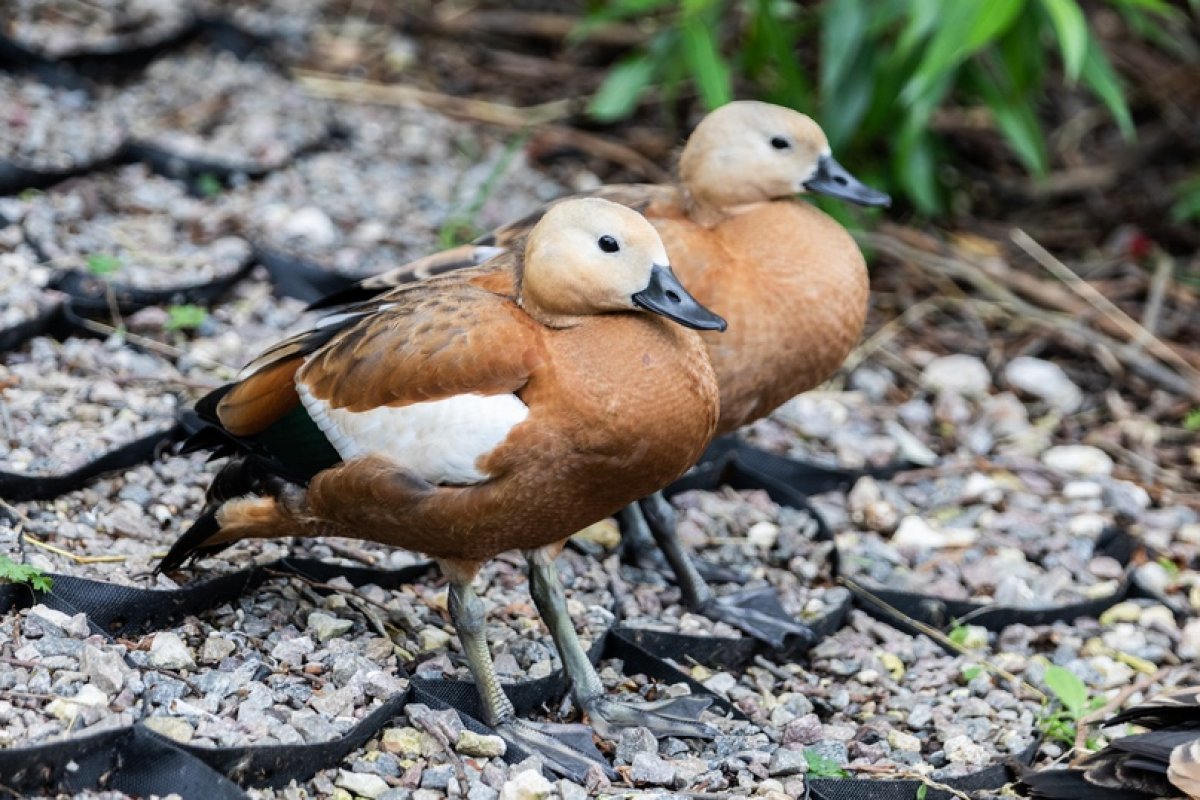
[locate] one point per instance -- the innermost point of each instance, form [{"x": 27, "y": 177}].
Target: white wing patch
[{"x": 438, "y": 440}]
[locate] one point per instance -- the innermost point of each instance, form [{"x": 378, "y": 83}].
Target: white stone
[
  {"x": 763, "y": 535},
  {"x": 527, "y": 785},
  {"x": 326, "y": 626},
  {"x": 479, "y": 746},
  {"x": 1044, "y": 380},
  {"x": 1189, "y": 640},
  {"x": 432, "y": 639},
  {"x": 361, "y": 784},
  {"x": 104, "y": 669},
  {"x": 1081, "y": 490},
  {"x": 171, "y": 727},
  {"x": 168, "y": 651},
  {"x": 311, "y": 224},
  {"x": 1078, "y": 459},
  {"x": 1153, "y": 577},
  {"x": 67, "y": 708},
  {"x": 41, "y": 620},
  {"x": 899, "y": 740},
  {"x": 1086, "y": 526},
  {"x": 911, "y": 448},
  {"x": 963, "y": 750},
  {"x": 915, "y": 534},
  {"x": 957, "y": 374},
  {"x": 980, "y": 488},
  {"x": 216, "y": 648}
]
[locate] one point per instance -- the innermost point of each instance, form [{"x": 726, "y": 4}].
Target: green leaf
[
  {"x": 922, "y": 791},
  {"x": 614, "y": 11},
  {"x": 12, "y": 572},
  {"x": 1192, "y": 421},
  {"x": 1072, "y": 29},
  {"x": 1098, "y": 74},
  {"x": 102, "y": 264},
  {"x": 709, "y": 69},
  {"x": 822, "y": 766},
  {"x": 1068, "y": 688},
  {"x": 1017, "y": 121},
  {"x": 916, "y": 173},
  {"x": 844, "y": 26},
  {"x": 185, "y": 317},
  {"x": 621, "y": 90},
  {"x": 972, "y": 672},
  {"x": 964, "y": 29}
]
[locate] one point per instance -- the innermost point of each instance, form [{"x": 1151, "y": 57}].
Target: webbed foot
[
  {"x": 758, "y": 613},
  {"x": 565, "y": 749},
  {"x": 678, "y": 716}
]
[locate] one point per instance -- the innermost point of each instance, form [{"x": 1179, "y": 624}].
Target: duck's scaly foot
[
  {"x": 566, "y": 750},
  {"x": 758, "y": 613},
  {"x": 679, "y": 716}
]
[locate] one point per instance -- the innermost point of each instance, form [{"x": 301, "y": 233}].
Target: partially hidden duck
[
  {"x": 791, "y": 282},
  {"x": 453, "y": 419}
]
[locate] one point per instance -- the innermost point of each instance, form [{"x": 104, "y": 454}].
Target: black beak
[
  {"x": 665, "y": 295},
  {"x": 834, "y": 180}
]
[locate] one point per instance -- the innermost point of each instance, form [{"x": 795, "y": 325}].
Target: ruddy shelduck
[{"x": 451, "y": 419}]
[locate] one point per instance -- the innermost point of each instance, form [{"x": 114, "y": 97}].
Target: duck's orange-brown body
[
  {"x": 620, "y": 404},
  {"x": 793, "y": 286}
]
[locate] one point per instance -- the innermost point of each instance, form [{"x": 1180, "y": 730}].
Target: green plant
[
  {"x": 208, "y": 185},
  {"x": 822, "y": 766},
  {"x": 885, "y": 69},
  {"x": 12, "y": 572},
  {"x": 185, "y": 317},
  {"x": 1191, "y": 422},
  {"x": 102, "y": 264},
  {"x": 459, "y": 227},
  {"x": 1061, "y": 724}
]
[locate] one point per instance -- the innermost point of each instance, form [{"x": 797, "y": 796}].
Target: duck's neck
[{"x": 795, "y": 300}]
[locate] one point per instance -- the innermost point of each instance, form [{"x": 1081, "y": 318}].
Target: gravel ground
[
  {"x": 54, "y": 129},
  {"x": 997, "y": 509}
]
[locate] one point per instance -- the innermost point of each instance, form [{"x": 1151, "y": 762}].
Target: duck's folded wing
[{"x": 431, "y": 382}]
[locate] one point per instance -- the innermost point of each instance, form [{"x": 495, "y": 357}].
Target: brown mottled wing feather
[
  {"x": 435, "y": 340},
  {"x": 644, "y": 198}
]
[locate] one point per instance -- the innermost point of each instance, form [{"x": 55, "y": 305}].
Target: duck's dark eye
[
  {"x": 780, "y": 143},
  {"x": 608, "y": 244}
]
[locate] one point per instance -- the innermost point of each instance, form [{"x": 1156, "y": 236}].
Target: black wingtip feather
[{"x": 356, "y": 293}]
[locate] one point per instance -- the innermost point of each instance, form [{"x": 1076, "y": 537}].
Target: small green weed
[
  {"x": 102, "y": 264},
  {"x": 185, "y": 317},
  {"x": 460, "y": 227},
  {"x": 12, "y": 572},
  {"x": 1072, "y": 694},
  {"x": 1192, "y": 421},
  {"x": 822, "y": 766},
  {"x": 209, "y": 185}
]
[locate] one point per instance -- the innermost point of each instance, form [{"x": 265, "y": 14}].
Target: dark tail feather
[
  {"x": 355, "y": 293},
  {"x": 1070, "y": 784},
  {"x": 190, "y": 545},
  {"x": 240, "y": 476}
]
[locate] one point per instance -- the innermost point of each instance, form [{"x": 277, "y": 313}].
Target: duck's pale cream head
[
  {"x": 589, "y": 256},
  {"x": 750, "y": 152}
]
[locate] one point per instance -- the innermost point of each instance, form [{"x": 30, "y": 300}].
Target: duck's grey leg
[
  {"x": 742, "y": 610},
  {"x": 677, "y": 717},
  {"x": 565, "y": 749},
  {"x": 641, "y": 551}
]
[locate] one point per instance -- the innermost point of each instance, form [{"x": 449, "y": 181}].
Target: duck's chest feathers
[
  {"x": 635, "y": 381},
  {"x": 796, "y": 301},
  {"x": 441, "y": 441}
]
